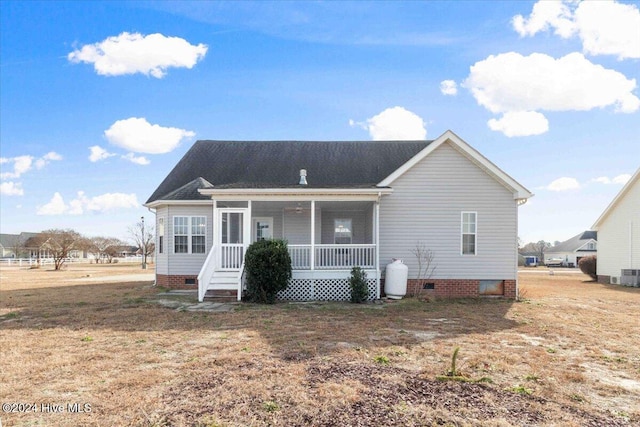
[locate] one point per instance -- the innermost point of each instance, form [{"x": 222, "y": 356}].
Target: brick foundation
[
  {"x": 452, "y": 288},
  {"x": 604, "y": 279},
  {"x": 176, "y": 281}
]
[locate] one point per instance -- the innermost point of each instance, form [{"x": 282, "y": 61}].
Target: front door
[{"x": 231, "y": 238}]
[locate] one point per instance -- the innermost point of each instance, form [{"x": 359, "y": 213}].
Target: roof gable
[
  {"x": 574, "y": 244},
  {"x": 277, "y": 164},
  {"x": 465, "y": 149},
  {"x": 616, "y": 200}
]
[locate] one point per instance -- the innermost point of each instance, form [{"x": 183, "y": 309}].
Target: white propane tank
[{"x": 395, "y": 283}]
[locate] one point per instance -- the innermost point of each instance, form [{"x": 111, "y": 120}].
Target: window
[
  {"x": 189, "y": 234},
  {"x": 342, "y": 234},
  {"x": 469, "y": 231},
  {"x": 160, "y": 235},
  {"x": 591, "y": 246}
]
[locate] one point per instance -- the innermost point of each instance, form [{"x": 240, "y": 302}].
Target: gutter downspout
[
  {"x": 155, "y": 270},
  {"x": 377, "y": 219}
]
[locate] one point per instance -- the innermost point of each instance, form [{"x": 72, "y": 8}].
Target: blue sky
[{"x": 99, "y": 100}]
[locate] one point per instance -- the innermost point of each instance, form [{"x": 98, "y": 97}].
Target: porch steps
[
  {"x": 221, "y": 295},
  {"x": 224, "y": 280}
]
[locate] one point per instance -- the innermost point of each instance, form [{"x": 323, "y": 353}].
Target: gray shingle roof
[
  {"x": 277, "y": 164},
  {"x": 574, "y": 243}
]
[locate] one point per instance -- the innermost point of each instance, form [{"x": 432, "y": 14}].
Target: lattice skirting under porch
[{"x": 322, "y": 290}]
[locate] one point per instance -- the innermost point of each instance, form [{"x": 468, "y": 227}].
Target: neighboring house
[
  {"x": 339, "y": 204},
  {"x": 569, "y": 252},
  {"x": 25, "y": 244},
  {"x": 619, "y": 234}
]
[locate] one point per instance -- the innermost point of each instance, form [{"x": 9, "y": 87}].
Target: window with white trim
[
  {"x": 342, "y": 232},
  {"x": 189, "y": 234},
  {"x": 160, "y": 235},
  {"x": 469, "y": 232}
]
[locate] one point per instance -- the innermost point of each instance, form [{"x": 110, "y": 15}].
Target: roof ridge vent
[{"x": 303, "y": 177}]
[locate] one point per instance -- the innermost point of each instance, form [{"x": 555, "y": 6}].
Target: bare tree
[
  {"x": 104, "y": 248},
  {"x": 425, "y": 258},
  {"x": 60, "y": 243},
  {"x": 541, "y": 247},
  {"x": 143, "y": 236},
  {"x": 19, "y": 245}
]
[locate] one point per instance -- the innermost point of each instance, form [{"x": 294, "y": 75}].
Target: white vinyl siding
[
  {"x": 469, "y": 230},
  {"x": 619, "y": 235},
  {"x": 425, "y": 207}
]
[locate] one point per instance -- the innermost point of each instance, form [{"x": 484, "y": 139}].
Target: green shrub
[
  {"x": 358, "y": 285},
  {"x": 268, "y": 268},
  {"x": 588, "y": 266}
]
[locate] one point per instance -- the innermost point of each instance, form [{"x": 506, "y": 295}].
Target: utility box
[{"x": 630, "y": 277}]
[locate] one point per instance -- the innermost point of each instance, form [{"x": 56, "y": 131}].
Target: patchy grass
[{"x": 66, "y": 340}]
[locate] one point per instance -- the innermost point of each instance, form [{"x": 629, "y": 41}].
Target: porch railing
[
  {"x": 232, "y": 256},
  {"x": 333, "y": 257}
]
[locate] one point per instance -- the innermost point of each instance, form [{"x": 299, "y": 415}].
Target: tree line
[{"x": 60, "y": 244}]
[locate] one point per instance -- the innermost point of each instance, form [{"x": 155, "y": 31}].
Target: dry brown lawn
[{"x": 569, "y": 354}]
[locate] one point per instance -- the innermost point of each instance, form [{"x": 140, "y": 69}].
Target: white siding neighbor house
[
  {"x": 619, "y": 236},
  {"x": 339, "y": 204},
  {"x": 570, "y": 252}
]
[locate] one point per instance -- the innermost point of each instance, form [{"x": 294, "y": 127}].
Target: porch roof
[{"x": 330, "y": 165}]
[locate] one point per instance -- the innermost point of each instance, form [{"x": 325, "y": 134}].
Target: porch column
[
  {"x": 247, "y": 228},
  {"x": 216, "y": 231},
  {"x": 313, "y": 236},
  {"x": 376, "y": 220}
]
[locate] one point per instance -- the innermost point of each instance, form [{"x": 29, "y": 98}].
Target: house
[
  {"x": 569, "y": 252},
  {"x": 339, "y": 204},
  {"x": 20, "y": 245},
  {"x": 619, "y": 235}
]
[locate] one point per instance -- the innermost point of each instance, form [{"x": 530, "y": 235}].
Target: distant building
[{"x": 570, "y": 252}]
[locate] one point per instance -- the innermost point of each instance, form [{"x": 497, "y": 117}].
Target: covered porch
[{"x": 327, "y": 236}]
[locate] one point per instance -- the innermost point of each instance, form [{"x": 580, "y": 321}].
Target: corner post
[{"x": 312, "y": 255}]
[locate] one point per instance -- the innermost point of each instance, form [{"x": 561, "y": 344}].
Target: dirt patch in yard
[{"x": 567, "y": 355}]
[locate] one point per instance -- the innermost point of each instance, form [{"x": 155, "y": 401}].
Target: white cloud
[
  {"x": 46, "y": 159},
  {"x": 546, "y": 14},
  {"x": 139, "y": 160},
  {"x": 11, "y": 189},
  {"x": 604, "y": 27},
  {"x": 563, "y": 184},
  {"x": 512, "y": 82},
  {"x": 139, "y": 136},
  {"x": 134, "y": 53},
  {"x": 55, "y": 206},
  {"x": 98, "y": 153},
  {"x": 394, "y": 123},
  {"x": 83, "y": 204},
  {"x": 620, "y": 179},
  {"x": 602, "y": 180},
  {"x": 23, "y": 164},
  {"x": 448, "y": 87},
  {"x": 520, "y": 123}
]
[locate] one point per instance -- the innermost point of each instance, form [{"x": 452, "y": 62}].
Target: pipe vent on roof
[{"x": 303, "y": 177}]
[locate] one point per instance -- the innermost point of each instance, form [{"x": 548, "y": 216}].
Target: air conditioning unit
[
  {"x": 613, "y": 280},
  {"x": 630, "y": 277}
]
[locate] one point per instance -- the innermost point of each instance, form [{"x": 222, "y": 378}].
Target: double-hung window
[
  {"x": 469, "y": 232},
  {"x": 189, "y": 234}
]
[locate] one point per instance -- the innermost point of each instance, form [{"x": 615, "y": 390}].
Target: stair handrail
[
  {"x": 206, "y": 272},
  {"x": 241, "y": 281}
]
